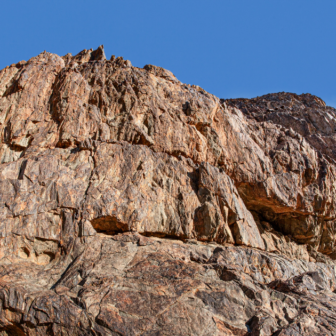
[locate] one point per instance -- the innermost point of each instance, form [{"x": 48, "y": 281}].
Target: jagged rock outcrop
[
  {"x": 298, "y": 197},
  {"x": 133, "y": 204}
]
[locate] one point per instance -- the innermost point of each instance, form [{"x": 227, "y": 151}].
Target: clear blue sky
[{"x": 231, "y": 48}]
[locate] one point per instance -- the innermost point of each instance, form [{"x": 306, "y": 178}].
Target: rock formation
[{"x": 134, "y": 204}]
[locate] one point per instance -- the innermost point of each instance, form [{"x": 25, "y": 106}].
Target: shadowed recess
[{"x": 109, "y": 225}]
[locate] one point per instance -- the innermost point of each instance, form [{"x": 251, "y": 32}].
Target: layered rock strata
[{"x": 134, "y": 204}]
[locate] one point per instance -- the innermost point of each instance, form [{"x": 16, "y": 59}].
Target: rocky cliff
[{"x": 134, "y": 204}]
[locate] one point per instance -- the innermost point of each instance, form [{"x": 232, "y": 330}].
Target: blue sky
[{"x": 231, "y": 48}]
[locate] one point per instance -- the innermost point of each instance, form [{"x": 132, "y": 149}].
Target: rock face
[{"x": 133, "y": 204}]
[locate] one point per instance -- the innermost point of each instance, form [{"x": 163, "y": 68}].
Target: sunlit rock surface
[{"x": 134, "y": 204}]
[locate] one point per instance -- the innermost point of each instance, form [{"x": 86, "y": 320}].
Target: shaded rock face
[
  {"x": 298, "y": 134},
  {"x": 133, "y": 204}
]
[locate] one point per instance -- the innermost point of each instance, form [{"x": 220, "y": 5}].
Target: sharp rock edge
[{"x": 134, "y": 204}]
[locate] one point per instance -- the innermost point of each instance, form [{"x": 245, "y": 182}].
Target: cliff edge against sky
[{"x": 134, "y": 204}]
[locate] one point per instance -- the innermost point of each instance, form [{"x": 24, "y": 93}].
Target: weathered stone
[
  {"x": 133, "y": 204},
  {"x": 297, "y": 195}
]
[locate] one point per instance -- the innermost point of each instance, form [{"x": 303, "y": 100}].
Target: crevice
[
  {"x": 12, "y": 330},
  {"x": 15, "y": 148},
  {"x": 22, "y": 169},
  {"x": 63, "y": 144},
  {"x": 13, "y": 87},
  {"x": 109, "y": 225},
  {"x": 65, "y": 272},
  {"x": 78, "y": 302}
]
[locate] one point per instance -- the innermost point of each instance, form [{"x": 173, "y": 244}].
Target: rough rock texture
[
  {"x": 133, "y": 204},
  {"x": 297, "y": 196}
]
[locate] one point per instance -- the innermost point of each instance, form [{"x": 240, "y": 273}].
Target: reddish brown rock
[
  {"x": 133, "y": 204},
  {"x": 298, "y": 195}
]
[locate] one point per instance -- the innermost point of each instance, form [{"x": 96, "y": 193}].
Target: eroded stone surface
[
  {"x": 133, "y": 204},
  {"x": 128, "y": 284}
]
